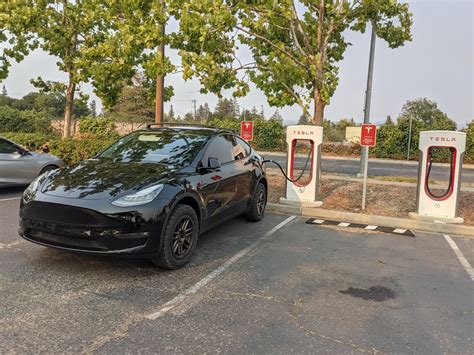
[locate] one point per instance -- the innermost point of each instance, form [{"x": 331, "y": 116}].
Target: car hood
[{"x": 102, "y": 179}]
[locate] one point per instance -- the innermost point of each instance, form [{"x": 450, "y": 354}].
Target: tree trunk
[
  {"x": 71, "y": 88},
  {"x": 318, "y": 115}
]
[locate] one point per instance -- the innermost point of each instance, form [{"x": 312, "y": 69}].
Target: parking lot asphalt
[{"x": 278, "y": 286}]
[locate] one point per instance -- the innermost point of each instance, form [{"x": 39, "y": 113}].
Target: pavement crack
[
  {"x": 335, "y": 340},
  {"x": 249, "y": 295},
  {"x": 119, "y": 332}
]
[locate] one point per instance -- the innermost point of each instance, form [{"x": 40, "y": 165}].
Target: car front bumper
[{"x": 84, "y": 230}]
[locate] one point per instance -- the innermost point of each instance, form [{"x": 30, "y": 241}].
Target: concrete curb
[
  {"x": 404, "y": 223},
  {"x": 388, "y": 161}
]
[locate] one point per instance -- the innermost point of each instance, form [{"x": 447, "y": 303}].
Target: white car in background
[{"x": 19, "y": 166}]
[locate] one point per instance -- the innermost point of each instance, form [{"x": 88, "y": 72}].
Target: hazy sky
[{"x": 437, "y": 64}]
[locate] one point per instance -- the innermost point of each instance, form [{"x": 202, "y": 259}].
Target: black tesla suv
[{"x": 148, "y": 195}]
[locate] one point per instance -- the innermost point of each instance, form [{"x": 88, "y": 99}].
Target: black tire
[
  {"x": 48, "y": 168},
  {"x": 178, "y": 243},
  {"x": 257, "y": 208}
]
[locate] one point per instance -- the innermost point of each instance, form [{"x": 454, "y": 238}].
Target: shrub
[
  {"x": 340, "y": 149},
  {"x": 73, "y": 150},
  {"x": 225, "y": 123},
  {"x": 13, "y": 120},
  {"x": 97, "y": 127},
  {"x": 268, "y": 135},
  {"x": 469, "y": 154},
  {"x": 30, "y": 141}
]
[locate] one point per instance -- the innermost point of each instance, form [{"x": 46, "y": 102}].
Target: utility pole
[
  {"x": 194, "y": 105},
  {"x": 368, "y": 94},
  {"x": 160, "y": 79}
]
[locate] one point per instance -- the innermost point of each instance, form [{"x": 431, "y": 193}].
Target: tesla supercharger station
[
  {"x": 435, "y": 203},
  {"x": 304, "y": 192}
]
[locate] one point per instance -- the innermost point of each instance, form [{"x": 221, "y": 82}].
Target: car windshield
[{"x": 165, "y": 146}]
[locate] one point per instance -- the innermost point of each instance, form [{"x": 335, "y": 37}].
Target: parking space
[{"x": 278, "y": 286}]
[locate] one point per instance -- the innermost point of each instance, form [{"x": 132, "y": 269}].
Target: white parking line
[
  {"x": 9, "y": 199},
  {"x": 209, "y": 277},
  {"x": 460, "y": 256}
]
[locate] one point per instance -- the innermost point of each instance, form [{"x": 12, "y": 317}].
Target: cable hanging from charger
[{"x": 283, "y": 172}]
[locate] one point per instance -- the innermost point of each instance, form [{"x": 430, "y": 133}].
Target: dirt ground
[{"x": 383, "y": 200}]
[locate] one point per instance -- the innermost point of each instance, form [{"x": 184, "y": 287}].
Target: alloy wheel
[
  {"x": 183, "y": 237},
  {"x": 261, "y": 202}
]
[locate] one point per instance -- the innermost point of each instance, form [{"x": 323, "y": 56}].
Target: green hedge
[
  {"x": 469, "y": 155},
  {"x": 98, "y": 127},
  {"x": 69, "y": 150},
  {"x": 13, "y": 120},
  {"x": 74, "y": 150},
  {"x": 30, "y": 141},
  {"x": 267, "y": 134}
]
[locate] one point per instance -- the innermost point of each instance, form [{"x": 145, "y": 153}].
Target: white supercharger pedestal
[
  {"x": 304, "y": 192},
  {"x": 433, "y": 203}
]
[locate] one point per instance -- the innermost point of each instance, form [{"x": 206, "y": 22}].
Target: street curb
[
  {"x": 404, "y": 223},
  {"x": 378, "y": 160}
]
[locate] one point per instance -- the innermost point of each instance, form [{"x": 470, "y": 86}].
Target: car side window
[
  {"x": 6, "y": 147},
  {"x": 240, "y": 149},
  {"x": 220, "y": 148}
]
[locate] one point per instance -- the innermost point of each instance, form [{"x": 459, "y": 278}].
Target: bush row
[
  {"x": 69, "y": 150},
  {"x": 392, "y": 142},
  {"x": 267, "y": 134},
  {"x": 30, "y": 121}
]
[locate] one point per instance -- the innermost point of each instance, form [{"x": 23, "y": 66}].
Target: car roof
[{"x": 201, "y": 129}]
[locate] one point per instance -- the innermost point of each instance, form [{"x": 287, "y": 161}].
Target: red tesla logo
[
  {"x": 246, "y": 130},
  {"x": 368, "y": 135}
]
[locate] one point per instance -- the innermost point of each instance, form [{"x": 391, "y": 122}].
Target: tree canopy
[
  {"x": 104, "y": 42},
  {"x": 295, "y": 45}
]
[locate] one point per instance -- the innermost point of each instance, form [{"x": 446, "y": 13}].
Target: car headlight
[
  {"x": 30, "y": 191},
  {"x": 139, "y": 198}
]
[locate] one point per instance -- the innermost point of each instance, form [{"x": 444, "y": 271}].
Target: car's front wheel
[
  {"x": 179, "y": 238},
  {"x": 258, "y": 204}
]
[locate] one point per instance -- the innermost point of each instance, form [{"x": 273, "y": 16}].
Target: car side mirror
[
  {"x": 23, "y": 152},
  {"x": 214, "y": 164}
]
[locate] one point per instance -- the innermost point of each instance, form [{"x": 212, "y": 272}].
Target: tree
[
  {"x": 277, "y": 117},
  {"x": 304, "y": 119},
  {"x": 424, "y": 114},
  {"x": 295, "y": 52},
  {"x": 427, "y": 113},
  {"x": 104, "y": 42},
  {"x": 226, "y": 108},
  {"x": 133, "y": 105},
  {"x": 50, "y": 103},
  {"x": 51, "y": 99},
  {"x": 66, "y": 30},
  {"x": 389, "y": 121},
  {"x": 203, "y": 112},
  {"x": 93, "y": 108},
  {"x": 4, "y": 91},
  {"x": 171, "y": 112}
]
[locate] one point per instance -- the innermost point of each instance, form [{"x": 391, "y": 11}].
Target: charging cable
[{"x": 283, "y": 172}]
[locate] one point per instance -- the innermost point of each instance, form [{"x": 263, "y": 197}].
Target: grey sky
[{"x": 437, "y": 64}]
